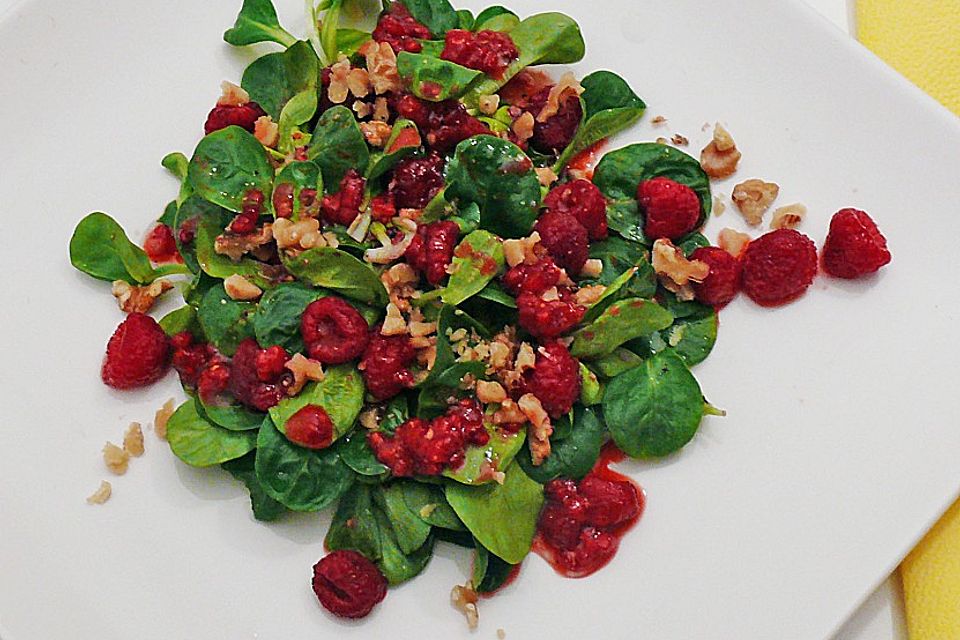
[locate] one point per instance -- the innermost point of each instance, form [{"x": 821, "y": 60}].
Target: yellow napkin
[{"x": 921, "y": 39}]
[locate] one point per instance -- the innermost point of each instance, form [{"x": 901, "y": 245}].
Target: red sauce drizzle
[{"x": 587, "y": 159}]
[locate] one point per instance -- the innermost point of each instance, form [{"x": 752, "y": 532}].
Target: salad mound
[{"x": 409, "y": 298}]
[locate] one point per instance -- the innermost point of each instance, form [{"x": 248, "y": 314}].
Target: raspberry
[
  {"x": 270, "y": 363},
  {"x": 384, "y": 364},
  {"x": 532, "y": 278},
  {"x": 245, "y": 383},
  {"x": 417, "y": 180},
  {"x": 342, "y": 207},
  {"x": 333, "y": 331},
  {"x": 487, "y": 51},
  {"x": 244, "y": 116},
  {"x": 190, "y": 359},
  {"x": 187, "y": 231},
  {"x": 549, "y": 319},
  {"x": 347, "y": 584},
  {"x": 585, "y": 202},
  {"x": 283, "y": 200},
  {"x": 383, "y": 208},
  {"x": 778, "y": 267},
  {"x": 554, "y": 379},
  {"x": 400, "y": 30},
  {"x": 310, "y": 427},
  {"x": 246, "y": 221},
  {"x": 445, "y": 124},
  {"x": 432, "y": 249},
  {"x": 594, "y": 549},
  {"x": 160, "y": 246},
  {"x": 671, "y": 209},
  {"x": 138, "y": 353},
  {"x": 854, "y": 246},
  {"x": 559, "y": 527},
  {"x": 555, "y": 134},
  {"x": 565, "y": 240},
  {"x": 212, "y": 381},
  {"x": 722, "y": 282},
  {"x": 609, "y": 503}
]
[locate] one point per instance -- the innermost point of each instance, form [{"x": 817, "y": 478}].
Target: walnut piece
[
  {"x": 523, "y": 126},
  {"x": 670, "y": 264},
  {"x": 540, "y": 429},
  {"x": 719, "y": 159},
  {"x": 718, "y": 206},
  {"x": 592, "y": 268},
  {"x": 788, "y": 217},
  {"x": 133, "y": 440},
  {"x": 523, "y": 250},
  {"x": 236, "y": 246},
  {"x": 733, "y": 242},
  {"x": 509, "y": 413},
  {"x": 339, "y": 87},
  {"x": 567, "y": 84},
  {"x": 138, "y": 299},
  {"x": 465, "y": 599},
  {"x": 381, "y": 68},
  {"x": 753, "y": 197},
  {"x": 232, "y": 95},
  {"x": 239, "y": 288},
  {"x": 679, "y": 140},
  {"x": 488, "y": 392},
  {"x": 303, "y": 369},
  {"x": 393, "y": 323},
  {"x": 546, "y": 176},
  {"x": 381, "y": 109},
  {"x": 266, "y": 131},
  {"x": 102, "y": 494},
  {"x": 303, "y": 234},
  {"x": 526, "y": 358},
  {"x": 161, "y": 417},
  {"x": 376, "y": 133},
  {"x": 658, "y": 120},
  {"x": 589, "y": 294},
  {"x": 362, "y": 109},
  {"x": 488, "y": 104},
  {"x": 116, "y": 459}
]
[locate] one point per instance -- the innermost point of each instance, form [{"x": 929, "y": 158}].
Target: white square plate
[{"x": 838, "y": 450}]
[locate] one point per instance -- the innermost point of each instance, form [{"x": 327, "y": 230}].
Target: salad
[{"x": 410, "y": 297}]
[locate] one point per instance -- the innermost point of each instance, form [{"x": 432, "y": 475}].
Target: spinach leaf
[
  {"x": 340, "y": 393},
  {"x": 225, "y": 321},
  {"x": 480, "y": 24},
  {"x": 496, "y": 175},
  {"x": 339, "y": 271},
  {"x": 404, "y": 140},
  {"x": 227, "y": 165},
  {"x": 169, "y": 215},
  {"x": 200, "y": 443},
  {"x": 349, "y": 41},
  {"x": 338, "y": 145},
  {"x": 575, "y": 455},
  {"x": 177, "y": 164},
  {"x": 618, "y": 256},
  {"x": 274, "y": 79},
  {"x": 615, "y": 363},
  {"x": 609, "y": 106},
  {"x": 298, "y": 111},
  {"x": 429, "y": 502},
  {"x": 434, "y": 392},
  {"x": 591, "y": 391},
  {"x": 436, "y": 15},
  {"x": 189, "y": 213},
  {"x": 621, "y": 321},
  {"x": 654, "y": 409},
  {"x": 300, "y": 176},
  {"x": 328, "y": 31},
  {"x": 210, "y": 223},
  {"x": 234, "y": 416},
  {"x": 264, "y": 507},
  {"x": 692, "y": 242},
  {"x": 300, "y": 479},
  {"x": 619, "y": 172},
  {"x": 180, "y": 320},
  {"x": 465, "y": 19},
  {"x": 358, "y": 455},
  {"x": 277, "y": 318},
  {"x": 691, "y": 337},
  {"x": 477, "y": 260},
  {"x": 496, "y": 455},
  {"x": 449, "y": 319},
  {"x": 489, "y": 571},
  {"x": 493, "y": 292},
  {"x": 503, "y": 518},
  {"x": 100, "y": 248},
  {"x": 434, "y": 79},
  {"x": 615, "y": 290},
  {"x": 257, "y": 22},
  {"x": 411, "y": 531},
  {"x": 397, "y": 566}
]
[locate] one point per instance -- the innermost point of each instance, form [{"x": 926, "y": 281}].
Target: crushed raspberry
[
  {"x": 555, "y": 379},
  {"x": 342, "y": 207},
  {"x": 446, "y": 123},
  {"x": 487, "y": 51},
  {"x": 347, "y": 584},
  {"x": 671, "y": 209},
  {"x": 609, "y": 503},
  {"x": 246, "y": 221},
  {"x": 549, "y": 319},
  {"x": 283, "y": 200},
  {"x": 427, "y": 447},
  {"x": 723, "y": 281},
  {"x": 585, "y": 202},
  {"x": 555, "y": 134},
  {"x": 269, "y": 363},
  {"x": 245, "y": 383},
  {"x": 213, "y": 381},
  {"x": 333, "y": 330},
  {"x": 138, "y": 353},
  {"x": 565, "y": 239},
  {"x": 432, "y": 249},
  {"x": 532, "y": 278},
  {"x": 384, "y": 364},
  {"x": 778, "y": 267},
  {"x": 400, "y": 30},
  {"x": 383, "y": 208},
  {"x": 854, "y": 246},
  {"x": 160, "y": 245},
  {"x": 187, "y": 231},
  {"x": 244, "y": 116},
  {"x": 310, "y": 427},
  {"x": 189, "y": 359},
  {"x": 417, "y": 180}
]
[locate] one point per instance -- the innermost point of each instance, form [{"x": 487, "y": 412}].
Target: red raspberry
[
  {"x": 446, "y": 123},
  {"x": 532, "y": 278},
  {"x": 160, "y": 246},
  {"x": 554, "y": 379},
  {"x": 245, "y": 383},
  {"x": 671, "y": 209},
  {"x": 190, "y": 359},
  {"x": 342, "y": 207},
  {"x": 270, "y": 363},
  {"x": 559, "y": 527},
  {"x": 609, "y": 503},
  {"x": 310, "y": 427},
  {"x": 778, "y": 267},
  {"x": 283, "y": 200},
  {"x": 213, "y": 380},
  {"x": 138, "y": 353},
  {"x": 723, "y": 281},
  {"x": 594, "y": 550},
  {"x": 487, "y": 51},
  {"x": 431, "y": 250},
  {"x": 549, "y": 319},
  {"x": 347, "y": 584},
  {"x": 222, "y": 116},
  {"x": 400, "y": 30},
  {"x": 417, "y": 180},
  {"x": 384, "y": 364},
  {"x": 585, "y": 202},
  {"x": 188, "y": 231},
  {"x": 333, "y": 330},
  {"x": 246, "y": 221},
  {"x": 555, "y": 134},
  {"x": 565, "y": 240},
  {"x": 854, "y": 246},
  {"x": 383, "y": 208}
]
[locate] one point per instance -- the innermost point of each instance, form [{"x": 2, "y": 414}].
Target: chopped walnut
[
  {"x": 592, "y": 268},
  {"x": 362, "y": 109},
  {"x": 567, "y": 84},
  {"x": 236, "y": 246},
  {"x": 500, "y": 355},
  {"x": 266, "y": 131},
  {"x": 588, "y": 295},
  {"x": 376, "y": 133},
  {"x": 359, "y": 83},
  {"x": 501, "y": 634},
  {"x": 465, "y": 599},
  {"x": 718, "y": 206},
  {"x": 133, "y": 440},
  {"x": 339, "y": 89},
  {"x": 393, "y": 323},
  {"x": 661, "y": 140},
  {"x": 488, "y": 104},
  {"x": 370, "y": 419},
  {"x": 428, "y": 355},
  {"x": 488, "y": 392},
  {"x": 137, "y": 299},
  {"x": 102, "y": 494},
  {"x": 788, "y": 217},
  {"x": 526, "y": 358},
  {"x": 679, "y": 140},
  {"x": 161, "y": 417},
  {"x": 116, "y": 459},
  {"x": 546, "y": 176},
  {"x": 232, "y": 95},
  {"x": 524, "y": 250},
  {"x": 670, "y": 264},
  {"x": 540, "y": 429},
  {"x": 509, "y": 413},
  {"x": 489, "y": 471},
  {"x": 419, "y": 329},
  {"x": 550, "y": 295},
  {"x": 523, "y": 126},
  {"x": 658, "y": 120},
  {"x": 239, "y": 288},
  {"x": 753, "y": 197},
  {"x": 381, "y": 67},
  {"x": 719, "y": 159},
  {"x": 733, "y": 242},
  {"x": 303, "y": 234},
  {"x": 722, "y": 138},
  {"x": 304, "y": 370},
  {"x": 381, "y": 110}
]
